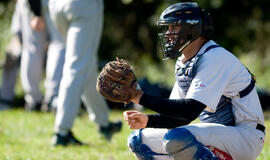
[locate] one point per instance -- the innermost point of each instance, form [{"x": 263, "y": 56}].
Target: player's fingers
[
  {"x": 127, "y": 118},
  {"x": 135, "y": 115},
  {"x": 129, "y": 112},
  {"x": 131, "y": 122},
  {"x": 132, "y": 126},
  {"x": 135, "y": 126}
]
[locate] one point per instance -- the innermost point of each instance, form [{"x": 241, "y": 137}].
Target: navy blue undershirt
[
  {"x": 171, "y": 112},
  {"x": 35, "y": 6}
]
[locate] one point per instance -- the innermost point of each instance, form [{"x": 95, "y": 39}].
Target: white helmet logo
[{"x": 192, "y": 21}]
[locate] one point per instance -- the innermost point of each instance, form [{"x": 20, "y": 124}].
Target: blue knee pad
[
  {"x": 142, "y": 151},
  {"x": 180, "y": 143}
]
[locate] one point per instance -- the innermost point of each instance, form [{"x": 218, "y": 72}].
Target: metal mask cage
[{"x": 168, "y": 40}]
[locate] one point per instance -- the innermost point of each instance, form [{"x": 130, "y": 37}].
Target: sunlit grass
[{"x": 27, "y": 136}]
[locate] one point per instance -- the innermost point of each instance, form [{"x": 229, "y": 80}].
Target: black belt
[{"x": 260, "y": 127}]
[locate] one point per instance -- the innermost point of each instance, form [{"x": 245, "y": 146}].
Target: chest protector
[{"x": 224, "y": 113}]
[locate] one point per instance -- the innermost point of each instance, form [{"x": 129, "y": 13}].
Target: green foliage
[
  {"x": 129, "y": 32},
  {"x": 259, "y": 66},
  {"x": 6, "y": 11}
]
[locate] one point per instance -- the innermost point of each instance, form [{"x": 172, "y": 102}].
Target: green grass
[{"x": 27, "y": 136}]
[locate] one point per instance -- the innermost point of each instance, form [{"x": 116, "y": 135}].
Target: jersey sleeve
[{"x": 212, "y": 75}]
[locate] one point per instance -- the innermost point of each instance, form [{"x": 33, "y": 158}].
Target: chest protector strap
[{"x": 224, "y": 113}]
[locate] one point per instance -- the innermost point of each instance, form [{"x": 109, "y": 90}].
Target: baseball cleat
[
  {"x": 108, "y": 131},
  {"x": 32, "y": 106},
  {"x": 69, "y": 139}
]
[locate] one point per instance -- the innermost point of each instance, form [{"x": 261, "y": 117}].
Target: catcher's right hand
[
  {"x": 135, "y": 119},
  {"x": 117, "y": 82}
]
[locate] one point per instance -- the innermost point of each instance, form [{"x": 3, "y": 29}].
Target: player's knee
[
  {"x": 142, "y": 151},
  {"x": 179, "y": 142}
]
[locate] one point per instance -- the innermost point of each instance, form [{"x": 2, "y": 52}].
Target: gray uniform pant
[
  {"x": 55, "y": 56},
  {"x": 80, "y": 24},
  {"x": 33, "y": 53}
]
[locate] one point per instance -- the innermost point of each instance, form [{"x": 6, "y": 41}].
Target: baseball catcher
[
  {"x": 117, "y": 82},
  {"x": 210, "y": 84}
]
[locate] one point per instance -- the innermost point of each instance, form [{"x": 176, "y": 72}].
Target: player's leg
[
  {"x": 54, "y": 63},
  {"x": 79, "y": 57},
  {"x": 161, "y": 144},
  {"x": 240, "y": 142},
  {"x": 95, "y": 104},
  {"x": 54, "y": 69},
  {"x": 147, "y": 144},
  {"x": 181, "y": 144},
  {"x": 69, "y": 94},
  {"x": 34, "y": 48},
  {"x": 70, "y": 88},
  {"x": 31, "y": 78}
]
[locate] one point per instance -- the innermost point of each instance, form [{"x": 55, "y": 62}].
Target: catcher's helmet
[{"x": 194, "y": 22}]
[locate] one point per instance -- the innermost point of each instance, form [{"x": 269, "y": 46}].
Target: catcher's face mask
[
  {"x": 170, "y": 38},
  {"x": 179, "y": 25}
]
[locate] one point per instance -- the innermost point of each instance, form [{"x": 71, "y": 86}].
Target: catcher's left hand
[{"x": 117, "y": 82}]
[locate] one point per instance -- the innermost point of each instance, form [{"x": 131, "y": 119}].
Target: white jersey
[{"x": 219, "y": 73}]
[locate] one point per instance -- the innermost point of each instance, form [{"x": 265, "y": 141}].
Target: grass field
[{"x": 27, "y": 136}]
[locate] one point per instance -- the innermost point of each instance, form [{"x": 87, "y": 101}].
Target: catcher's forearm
[
  {"x": 161, "y": 121},
  {"x": 179, "y": 108}
]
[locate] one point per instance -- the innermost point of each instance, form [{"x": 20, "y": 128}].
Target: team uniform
[
  {"x": 55, "y": 55},
  {"x": 80, "y": 23},
  {"x": 33, "y": 54},
  {"x": 55, "y": 60},
  {"x": 212, "y": 85},
  {"x": 225, "y": 81}
]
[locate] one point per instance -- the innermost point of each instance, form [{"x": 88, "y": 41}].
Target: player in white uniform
[
  {"x": 79, "y": 22},
  {"x": 55, "y": 61},
  {"x": 212, "y": 84},
  {"x": 55, "y": 55},
  {"x": 33, "y": 53}
]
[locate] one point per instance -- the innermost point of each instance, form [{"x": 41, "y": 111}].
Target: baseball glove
[{"x": 117, "y": 82}]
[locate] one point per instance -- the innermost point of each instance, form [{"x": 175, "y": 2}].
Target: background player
[
  {"x": 79, "y": 22},
  {"x": 55, "y": 55},
  {"x": 34, "y": 47}
]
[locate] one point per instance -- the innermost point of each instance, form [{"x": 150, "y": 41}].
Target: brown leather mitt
[{"x": 117, "y": 82}]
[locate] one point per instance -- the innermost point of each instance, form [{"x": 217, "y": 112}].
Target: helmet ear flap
[{"x": 207, "y": 24}]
